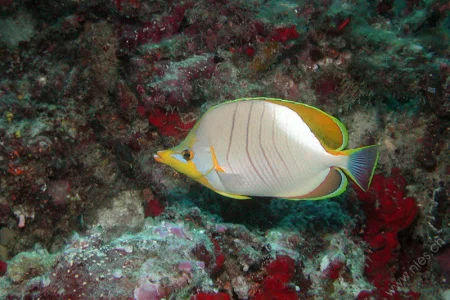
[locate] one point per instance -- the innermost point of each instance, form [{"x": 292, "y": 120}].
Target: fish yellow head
[
  {"x": 179, "y": 159},
  {"x": 187, "y": 158}
]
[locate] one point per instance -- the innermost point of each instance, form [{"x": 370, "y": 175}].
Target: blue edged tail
[{"x": 361, "y": 166}]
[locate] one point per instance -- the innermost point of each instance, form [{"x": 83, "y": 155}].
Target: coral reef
[
  {"x": 388, "y": 212},
  {"x": 89, "y": 90}
]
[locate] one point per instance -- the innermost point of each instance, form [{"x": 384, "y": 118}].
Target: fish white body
[
  {"x": 264, "y": 148},
  {"x": 272, "y": 148}
]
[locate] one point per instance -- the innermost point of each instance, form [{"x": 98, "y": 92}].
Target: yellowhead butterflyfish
[{"x": 271, "y": 148}]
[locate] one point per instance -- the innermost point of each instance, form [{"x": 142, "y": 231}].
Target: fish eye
[{"x": 187, "y": 154}]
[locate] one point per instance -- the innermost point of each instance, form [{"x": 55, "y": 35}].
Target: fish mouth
[{"x": 158, "y": 157}]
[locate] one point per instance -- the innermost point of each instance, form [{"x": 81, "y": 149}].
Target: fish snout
[{"x": 159, "y": 156}]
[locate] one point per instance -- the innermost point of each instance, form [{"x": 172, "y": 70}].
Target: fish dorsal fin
[{"x": 329, "y": 130}]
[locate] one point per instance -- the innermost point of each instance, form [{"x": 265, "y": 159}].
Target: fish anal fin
[
  {"x": 329, "y": 130},
  {"x": 333, "y": 185}
]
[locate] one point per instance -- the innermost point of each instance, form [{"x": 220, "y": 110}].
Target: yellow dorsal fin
[{"x": 329, "y": 130}]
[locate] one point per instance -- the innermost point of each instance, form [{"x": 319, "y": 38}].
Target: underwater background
[{"x": 91, "y": 89}]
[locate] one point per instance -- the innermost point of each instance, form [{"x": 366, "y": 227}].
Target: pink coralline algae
[
  {"x": 3, "y": 267},
  {"x": 284, "y": 34},
  {"x": 166, "y": 92},
  {"x": 153, "y": 206},
  {"x": 388, "y": 212},
  {"x": 211, "y": 296},
  {"x": 148, "y": 291},
  {"x": 129, "y": 8},
  {"x": 276, "y": 284},
  {"x": 220, "y": 257},
  {"x": 150, "y": 31},
  {"x": 334, "y": 269},
  {"x": 153, "y": 209},
  {"x": 171, "y": 229},
  {"x": 166, "y": 27},
  {"x": 172, "y": 84},
  {"x": 169, "y": 123},
  {"x": 188, "y": 266},
  {"x": 443, "y": 262}
]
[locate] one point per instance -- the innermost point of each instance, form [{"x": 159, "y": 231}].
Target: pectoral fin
[
  {"x": 215, "y": 162},
  {"x": 224, "y": 176}
]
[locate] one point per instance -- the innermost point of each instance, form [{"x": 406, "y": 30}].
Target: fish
[{"x": 267, "y": 147}]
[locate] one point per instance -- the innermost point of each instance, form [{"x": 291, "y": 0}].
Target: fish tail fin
[{"x": 361, "y": 165}]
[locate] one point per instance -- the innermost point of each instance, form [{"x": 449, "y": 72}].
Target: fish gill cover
[{"x": 89, "y": 90}]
